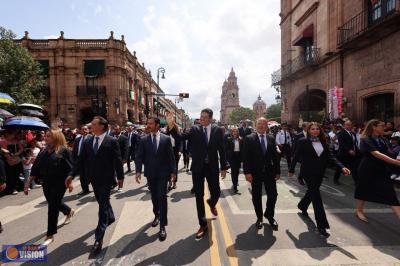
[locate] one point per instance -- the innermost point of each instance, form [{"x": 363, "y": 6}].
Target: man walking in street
[
  {"x": 123, "y": 147},
  {"x": 261, "y": 165},
  {"x": 133, "y": 139},
  {"x": 207, "y": 144},
  {"x": 156, "y": 153},
  {"x": 76, "y": 151},
  {"x": 101, "y": 158}
]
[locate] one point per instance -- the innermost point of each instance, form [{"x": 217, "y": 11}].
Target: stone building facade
[
  {"x": 94, "y": 76},
  {"x": 352, "y": 45},
  {"x": 260, "y": 107},
  {"x": 229, "y": 97}
]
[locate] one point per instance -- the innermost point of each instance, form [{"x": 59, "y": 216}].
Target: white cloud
[
  {"x": 198, "y": 43},
  {"x": 51, "y": 37}
]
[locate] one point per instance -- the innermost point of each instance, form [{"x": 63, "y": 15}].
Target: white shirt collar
[{"x": 259, "y": 135}]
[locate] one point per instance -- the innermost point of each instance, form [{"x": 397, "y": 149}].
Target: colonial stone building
[
  {"x": 260, "y": 107},
  {"x": 352, "y": 45},
  {"x": 90, "y": 77},
  {"x": 229, "y": 97}
]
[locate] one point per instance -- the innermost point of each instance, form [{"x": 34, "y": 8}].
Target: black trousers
[
  {"x": 131, "y": 157},
  {"x": 287, "y": 153},
  {"x": 84, "y": 180},
  {"x": 235, "y": 167},
  {"x": 54, "y": 194},
  {"x": 313, "y": 195},
  {"x": 177, "y": 158},
  {"x": 213, "y": 185},
  {"x": 106, "y": 214},
  {"x": 256, "y": 193},
  {"x": 186, "y": 158},
  {"x": 13, "y": 182},
  {"x": 158, "y": 190}
]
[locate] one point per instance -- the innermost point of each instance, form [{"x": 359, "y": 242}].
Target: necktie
[
  {"x": 80, "y": 145},
  {"x": 96, "y": 145},
  {"x": 205, "y": 135},
  {"x": 154, "y": 143},
  {"x": 263, "y": 148},
  {"x": 284, "y": 132}
]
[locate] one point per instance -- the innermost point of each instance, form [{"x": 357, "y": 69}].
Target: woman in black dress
[
  {"x": 374, "y": 182},
  {"x": 314, "y": 154},
  {"x": 53, "y": 165}
]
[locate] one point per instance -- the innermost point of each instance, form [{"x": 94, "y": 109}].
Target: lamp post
[{"x": 162, "y": 71}]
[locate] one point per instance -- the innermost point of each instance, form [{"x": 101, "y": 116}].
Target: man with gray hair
[{"x": 261, "y": 165}]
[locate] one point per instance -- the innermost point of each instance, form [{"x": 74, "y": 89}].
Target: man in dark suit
[
  {"x": 101, "y": 158},
  {"x": 244, "y": 130},
  {"x": 76, "y": 151},
  {"x": 234, "y": 154},
  {"x": 349, "y": 153},
  {"x": 133, "y": 140},
  {"x": 123, "y": 147},
  {"x": 261, "y": 165},
  {"x": 207, "y": 143},
  {"x": 156, "y": 153}
]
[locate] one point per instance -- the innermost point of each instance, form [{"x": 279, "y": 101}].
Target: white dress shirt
[
  {"x": 265, "y": 139},
  {"x": 237, "y": 146},
  {"x": 318, "y": 147},
  {"x": 101, "y": 138},
  {"x": 208, "y": 132},
  {"x": 280, "y": 138}
]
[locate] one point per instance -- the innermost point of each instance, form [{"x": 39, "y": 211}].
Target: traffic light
[{"x": 183, "y": 95}]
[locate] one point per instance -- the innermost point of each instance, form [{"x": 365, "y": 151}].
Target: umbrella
[
  {"x": 32, "y": 112},
  {"x": 25, "y": 122},
  {"x": 31, "y": 106},
  {"x": 5, "y": 113},
  {"x": 5, "y": 98}
]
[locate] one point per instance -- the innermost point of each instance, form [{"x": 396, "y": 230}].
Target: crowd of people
[{"x": 97, "y": 152}]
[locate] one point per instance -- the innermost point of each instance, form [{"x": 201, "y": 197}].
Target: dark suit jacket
[
  {"x": 102, "y": 166},
  {"x": 243, "y": 132},
  {"x": 200, "y": 150},
  {"x": 156, "y": 165},
  {"x": 230, "y": 147},
  {"x": 254, "y": 162},
  {"x": 178, "y": 139},
  {"x": 123, "y": 146},
  {"x": 76, "y": 146},
  {"x": 312, "y": 166},
  {"x": 346, "y": 143}
]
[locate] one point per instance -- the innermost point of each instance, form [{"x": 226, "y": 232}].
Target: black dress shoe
[
  {"x": 83, "y": 192},
  {"x": 155, "y": 222},
  {"x": 162, "y": 235},
  {"x": 259, "y": 224},
  {"x": 323, "y": 232},
  {"x": 304, "y": 213},
  {"x": 192, "y": 191},
  {"x": 111, "y": 221},
  {"x": 273, "y": 224},
  {"x": 96, "y": 249}
]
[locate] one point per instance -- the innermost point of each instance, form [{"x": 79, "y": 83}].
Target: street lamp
[{"x": 162, "y": 71}]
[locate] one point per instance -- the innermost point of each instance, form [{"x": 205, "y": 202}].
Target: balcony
[
  {"x": 370, "y": 25},
  {"x": 297, "y": 66},
  {"x": 90, "y": 91}
]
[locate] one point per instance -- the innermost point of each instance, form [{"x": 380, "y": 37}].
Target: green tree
[
  {"x": 274, "y": 111},
  {"x": 241, "y": 113},
  {"x": 20, "y": 73}
]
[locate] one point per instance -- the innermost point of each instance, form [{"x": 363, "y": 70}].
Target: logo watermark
[{"x": 24, "y": 253}]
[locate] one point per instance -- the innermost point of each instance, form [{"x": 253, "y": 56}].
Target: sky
[{"x": 197, "y": 42}]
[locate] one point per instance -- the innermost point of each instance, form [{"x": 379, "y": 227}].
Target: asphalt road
[{"x": 232, "y": 240}]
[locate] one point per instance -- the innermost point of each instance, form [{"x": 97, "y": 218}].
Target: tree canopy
[
  {"x": 274, "y": 111},
  {"x": 241, "y": 113},
  {"x": 20, "y": 73}
]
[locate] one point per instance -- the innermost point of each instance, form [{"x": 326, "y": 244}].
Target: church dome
[{"x": 259, "y": 101}]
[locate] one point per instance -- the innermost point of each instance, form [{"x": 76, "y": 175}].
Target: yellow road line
[
  {"x": 212, "y": 236},
  {"x": 230, "y": 247}
]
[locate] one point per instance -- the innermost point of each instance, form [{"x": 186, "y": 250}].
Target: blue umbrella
[{"x": 25, "y": 122}]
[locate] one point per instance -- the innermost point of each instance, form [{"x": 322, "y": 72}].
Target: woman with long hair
[
  {"x": 53, "y": 165},
  {"x": 374, "y": 182},
  {"x": 314, "y": 154}
]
